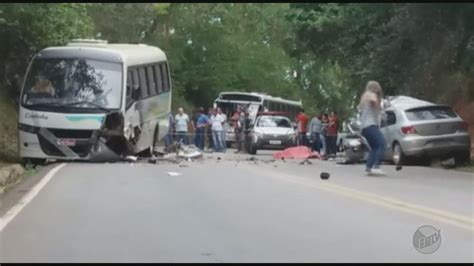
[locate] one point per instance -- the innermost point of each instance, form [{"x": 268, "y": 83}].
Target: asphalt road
[{"x": 237, "y": 210}]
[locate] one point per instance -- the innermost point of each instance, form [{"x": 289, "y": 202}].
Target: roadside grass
[{"x": 8, "y": 130}]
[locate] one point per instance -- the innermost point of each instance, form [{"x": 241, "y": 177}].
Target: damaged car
[{"x": 95, "y": 101}]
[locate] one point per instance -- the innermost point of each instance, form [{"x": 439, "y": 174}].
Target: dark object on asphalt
[
  {"x": 305, "y": 162},
  {"x": 251, "y": 159},
  {"x": 153, "y": 161},
  {"x": 218, "y": 158},
  {"x": 398, "y": 168},
  {"x": 183, "y": 165},
  {"x": 345, "y": 162},
  {"x": 102, "y": 153},
  {"x": 324, "y": 175}
]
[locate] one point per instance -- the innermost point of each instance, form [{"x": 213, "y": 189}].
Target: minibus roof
[{"x": 129, "y": 54}]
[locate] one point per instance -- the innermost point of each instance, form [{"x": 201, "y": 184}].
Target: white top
[
  {"x": 370, "y": 115},
  {"x": 216, "y": 122},
  {"x": 182, "y": 122}
]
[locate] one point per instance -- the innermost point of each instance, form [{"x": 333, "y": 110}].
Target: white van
[{"x": 91, "y": 99}]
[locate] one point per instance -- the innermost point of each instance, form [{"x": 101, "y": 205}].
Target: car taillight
[
  {"x": 408, "y": 130},
  {"x": 463, "y": 126}
]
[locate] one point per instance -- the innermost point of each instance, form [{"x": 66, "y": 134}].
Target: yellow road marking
[{"x": 461, "y": 221}]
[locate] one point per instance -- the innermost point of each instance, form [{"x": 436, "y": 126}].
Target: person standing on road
[
  {"x": 169, "y": 139},
  {"x": 245, "y": 124},
  {"x": 181, "y": 125},
  {"x": 210, "y": 140},
  {"x": 201, "y": 124},
  {"x": 331, "y": 135},
  {"x": 237, "y": 119},
  {"x": 324, "y": 147},
  {"x": 224, "y": 129},
  {"x": 315, "y": 128},
  {"x": 302, "y": 120},
  {"x": 196, "y": 115},
  {"x": 216, "y": 125},
  {"x": 371, "y": 114}
]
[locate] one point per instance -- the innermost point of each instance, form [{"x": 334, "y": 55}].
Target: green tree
[{"x": 27, "y": 28}]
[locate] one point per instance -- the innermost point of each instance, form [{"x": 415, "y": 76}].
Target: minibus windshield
[{"x": 73, "y": 83}]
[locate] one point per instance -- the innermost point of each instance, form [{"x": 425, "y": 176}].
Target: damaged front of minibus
[{"x": 71, "y": 107}]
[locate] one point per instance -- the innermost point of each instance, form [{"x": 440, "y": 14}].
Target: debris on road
[
  {"x": 324, "y": 175},
  {"x": 188, "y": 151},
  {"x": 299, "y": 152},
  {"x": 153, "y": 160},
  {"x": 102, "y": 153},
  {"x": 306, "y": 161},
  {"x": 173, "y": 174},
  {"x": 252, "y": 159},
  {"x": 131, "y": 158}
]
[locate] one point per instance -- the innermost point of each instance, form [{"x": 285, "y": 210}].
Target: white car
[{"x": 271, "y": 132}]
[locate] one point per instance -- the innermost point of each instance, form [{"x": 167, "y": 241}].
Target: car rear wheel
[
  {"x": 397, "y": 154},
  {"x": 462, "y": 158}
]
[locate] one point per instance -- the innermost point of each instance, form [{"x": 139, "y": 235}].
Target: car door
[{"x": 386, "y": 126}]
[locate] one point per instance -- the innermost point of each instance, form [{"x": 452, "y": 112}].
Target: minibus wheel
[{"x": 154, "y": 143}]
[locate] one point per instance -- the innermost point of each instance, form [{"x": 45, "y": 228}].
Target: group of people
[
  {"x": 323, "y": 129},
  {"x": 211, "y": 124}
]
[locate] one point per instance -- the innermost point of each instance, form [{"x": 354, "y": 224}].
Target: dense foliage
[{"x": 320, "y": 53}]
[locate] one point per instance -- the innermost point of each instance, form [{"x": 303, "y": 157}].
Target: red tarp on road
[{"x": 299, "y": 152}]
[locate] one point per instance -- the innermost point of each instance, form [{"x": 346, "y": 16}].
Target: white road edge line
[{"x": 8, "y": 217}]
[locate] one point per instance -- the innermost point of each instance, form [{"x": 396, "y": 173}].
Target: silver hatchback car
[{"x": 415, "y": 128}]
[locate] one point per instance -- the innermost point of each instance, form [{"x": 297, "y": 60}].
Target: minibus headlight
[{"x": 28, "y": 128}]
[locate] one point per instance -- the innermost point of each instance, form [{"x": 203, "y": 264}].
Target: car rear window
[{"x": 430, "y": 113}]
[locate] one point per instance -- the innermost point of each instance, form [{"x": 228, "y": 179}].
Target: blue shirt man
[{"x": 201, "y": 124}]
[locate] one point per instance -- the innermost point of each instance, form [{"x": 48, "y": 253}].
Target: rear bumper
[{"x": 435, "y": 145}]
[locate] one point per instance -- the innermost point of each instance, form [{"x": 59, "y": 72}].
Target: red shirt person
[{"x": 302, "y": 120}]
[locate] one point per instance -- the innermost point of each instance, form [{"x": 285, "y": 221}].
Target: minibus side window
[
  {"x": 152, "y": 90},
  {"x": 159, "y": 80},
  {"x": 164, "y": 74},
  {"x": 135, "y": 82},
  {"x": 128, "y": 93},
  {"x": 143, "y": 82}
]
